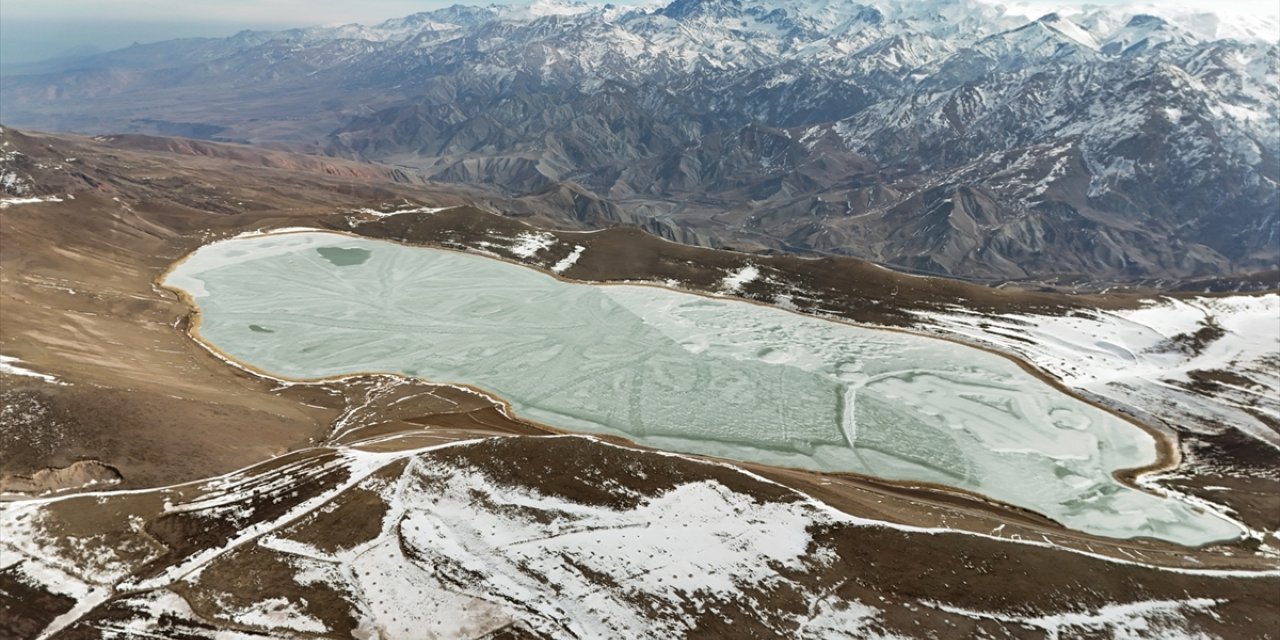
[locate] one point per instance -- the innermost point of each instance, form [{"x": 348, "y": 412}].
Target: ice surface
[{"x": 685, "y": 372}]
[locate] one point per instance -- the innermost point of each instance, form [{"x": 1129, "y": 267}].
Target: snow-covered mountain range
[{"x": 959, "y": 136}]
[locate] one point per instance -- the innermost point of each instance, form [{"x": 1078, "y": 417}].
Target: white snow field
[
  {"x": 459, "y": 551},
  {"x": 1138, "y": 359},
  {"x": 683, "y": 372}
]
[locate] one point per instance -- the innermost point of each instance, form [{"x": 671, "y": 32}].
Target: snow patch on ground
[
  {"x": 10, "y": 181},
  {"x": 5, "y": 203},
  {"x": 7, "y": 366},
  {"x": 528, "y": 244},
  {"x": 387, "y": 214},
  {"x": 278, "y": 613},
  {"x": 832, "y": 617},
  {"x": 459, "y": 554},
  {"x": 151, "y": 607},
  {"x": 378, "y": 215},
  {"x": 1154, "y": 618},
  {"x": 695, "y": 543},
  {"x": 569, "y": 260},
  {"x": 740, "y": 277}
]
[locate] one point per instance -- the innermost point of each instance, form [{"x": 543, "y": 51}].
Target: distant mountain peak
[
  {"x": 681, "y": 9},
  {"x": 1091, "y": 137},
  {"x": 1069, "y": 30},
  {"x": 1147, "y": 20}
]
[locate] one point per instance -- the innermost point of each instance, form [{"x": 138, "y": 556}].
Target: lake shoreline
[{"x": 1165, "y": 448}]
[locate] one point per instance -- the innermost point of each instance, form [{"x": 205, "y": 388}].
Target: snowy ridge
[
  {"x": 686, "y": 542},
  {"x": 456, "y": 552},
  {"x": 1205, "y": 18}
]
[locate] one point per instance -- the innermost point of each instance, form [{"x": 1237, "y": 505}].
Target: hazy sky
[
  {"x": 331, "y": 11},
  {"x": 38, "y": 29},
  {"x": 224, "y": 11}
]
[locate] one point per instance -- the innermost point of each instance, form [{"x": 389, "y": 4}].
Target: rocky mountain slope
[{"x": 950, "y": 136}]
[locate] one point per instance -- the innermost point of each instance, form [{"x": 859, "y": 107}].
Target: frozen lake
[{"x": 682, "y": 372}]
